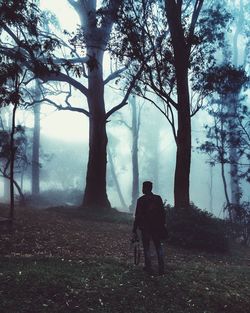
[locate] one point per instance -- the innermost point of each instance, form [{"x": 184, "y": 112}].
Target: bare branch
[
  {"x": 196, "y": 12},
  {"x": 58, "y": 106},
  {"x": 73, "y": 60},
  {"x": 67, "y": 79},
  {"x": 115, "y": 74},
  {"x": 129, "y": 90}
]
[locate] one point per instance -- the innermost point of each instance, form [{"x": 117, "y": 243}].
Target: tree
[
  {"x": 135, "y": 129},
  {"x": 19, "y": 41},
  {"x": 229, "y": 131},
  {"x": 240, "y": 27},
  {"x": 39, "y": 57},
  {"x": 35, "y": 185},
  {"x": 10, "y": 82},
  {"x": 172, "y": 39}
]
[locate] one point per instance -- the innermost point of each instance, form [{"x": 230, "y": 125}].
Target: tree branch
[
  {"x": 59, "y": 107},
  {"x": 129, "y": 90},
  {"x": 61, "y": 77},
  {"x": 115, "y": 74},
  {"x": 74, "y": 4}
]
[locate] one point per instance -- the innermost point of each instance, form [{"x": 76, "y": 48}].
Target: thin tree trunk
[
  {"x": 233, "y": 152},
  {"x": 232, "y": 110},
  {"x": 117, "y": 185},
  {"x": 35, "y": 152},
  {"x": 135, "y": 165},
  {"x": 12, "y": 162},
  {"x": 228, "y": 206},
  {"x": 221, "y": 156},
  {"x": 224, "y": 183},
  {"x": 211, "y": 190}
]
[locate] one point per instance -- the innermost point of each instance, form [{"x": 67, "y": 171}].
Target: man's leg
[
  {"x": 160, "y": 254},
  {"x": 146, "y": 249}
]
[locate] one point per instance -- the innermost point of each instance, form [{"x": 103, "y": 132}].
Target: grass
[
  {"x": 97, "y": 285},
  {"x": 54, "y": 263}
]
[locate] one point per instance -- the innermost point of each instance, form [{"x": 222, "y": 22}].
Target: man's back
[{"x": 150, "y": 214}]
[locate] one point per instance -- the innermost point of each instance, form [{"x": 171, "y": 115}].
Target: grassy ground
[{"x": 56, "y": 262}]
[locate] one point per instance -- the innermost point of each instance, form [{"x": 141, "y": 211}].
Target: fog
[{"x": 64, "y": 146}]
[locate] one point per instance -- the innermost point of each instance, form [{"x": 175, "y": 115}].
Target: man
[{"x": 150, "y": 219}]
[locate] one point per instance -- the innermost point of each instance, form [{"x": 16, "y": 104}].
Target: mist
[{"x": 64, "y": 139}]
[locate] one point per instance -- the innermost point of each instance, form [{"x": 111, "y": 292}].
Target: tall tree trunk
[
  {"x": 12, "y": 162},
  {"x": 135, "y": 165},
  {"x": 95, "y": 195},
  {"x": 233, "y": 151},
  {"x": 181, "y": 62},
  {"x": 35, "y": 152},
  {"x": 183, "y": 153},
  {"x": 232, "y": 110},
  {"x": 211, "y": 189}
]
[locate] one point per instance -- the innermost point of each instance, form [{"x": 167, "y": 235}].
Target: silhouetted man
[{"x": 150, "y": 219}]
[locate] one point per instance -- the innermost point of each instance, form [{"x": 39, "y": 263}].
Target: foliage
[
  {"x": 144, "y": 38},
  {"x": 241, "y": 226},
  {"x": 231, "y": 119},
  {"x": 20, "y": 148},
  {"x": 225, "y": 79},
  {"x": 197, "y": 229},
  {"x": 25, "y": 49}
]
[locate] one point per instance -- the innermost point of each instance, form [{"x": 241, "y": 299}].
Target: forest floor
[{"x": 62, "y": 260}]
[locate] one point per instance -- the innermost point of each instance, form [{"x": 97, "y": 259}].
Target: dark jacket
[{"x": 150, "y": 215}]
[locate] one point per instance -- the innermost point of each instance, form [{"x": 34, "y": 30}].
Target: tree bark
[
  {"x": 96, "y": 40},
  {"x": 12, "y": 162},
  {"x": 135, "y": 165},
  {"x": 35, "y": 149},
  {"x": 232, "y": 110},
  {"x": 233, "y": 150},
  {"x": 95, "y": 195},
  {"x": 181, "y": 61},
  {"x": 183, "y": 153}
]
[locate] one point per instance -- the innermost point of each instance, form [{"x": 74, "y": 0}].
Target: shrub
[{"x": 197, "y": 229}]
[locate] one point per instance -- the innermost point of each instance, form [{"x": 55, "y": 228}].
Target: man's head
[{"x": 147, "y": 187}]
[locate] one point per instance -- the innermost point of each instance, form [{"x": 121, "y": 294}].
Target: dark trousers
[{"x": 146, "y": 238}]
